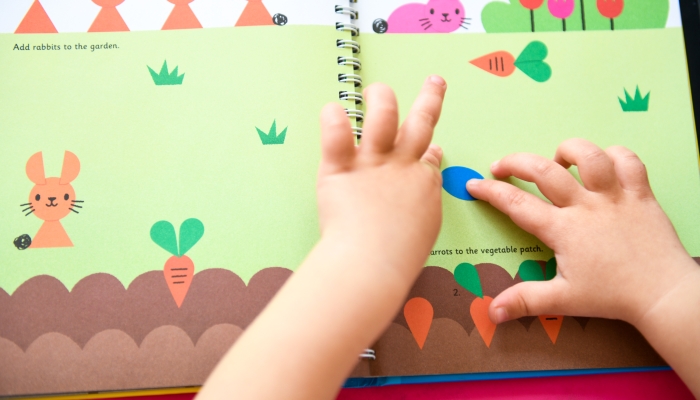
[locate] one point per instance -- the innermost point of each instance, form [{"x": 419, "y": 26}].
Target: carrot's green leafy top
[
  {"x": 532, "y": 270},
  {"x": 468, "y": 277},
  {"x": 163, "y": 234}
]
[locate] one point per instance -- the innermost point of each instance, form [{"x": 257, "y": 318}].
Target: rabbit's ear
[
  {"x": 35, "y": 169},
  {"x": 71, "y": 168}
]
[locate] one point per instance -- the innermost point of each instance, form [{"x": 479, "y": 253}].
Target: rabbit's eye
[
  {"x": 37, "y": 197},
  {"x": 65, "y": 196}
]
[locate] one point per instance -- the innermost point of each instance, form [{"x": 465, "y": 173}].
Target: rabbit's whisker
[
  {"x": 423, "y": 19},
  {"x": 25, "y": 204},
  {"x": 426, "y": 28},
  {"x": 74, "y": 211},
  {"x": 29, "y": 212},
  {"x": 425, "y": 23}
]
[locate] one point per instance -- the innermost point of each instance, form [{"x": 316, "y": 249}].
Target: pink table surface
[{"x": 637, "y": 385}]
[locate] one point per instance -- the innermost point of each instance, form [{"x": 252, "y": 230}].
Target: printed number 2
[{"x": 456, "y": 292}]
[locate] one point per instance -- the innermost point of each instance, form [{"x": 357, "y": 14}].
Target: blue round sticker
[{"x": 454, "y": 181}]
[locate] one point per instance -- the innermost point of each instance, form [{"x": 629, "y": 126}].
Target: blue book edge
[{"x": 487, "y": 376}]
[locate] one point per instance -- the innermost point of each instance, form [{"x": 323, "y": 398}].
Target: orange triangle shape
[
  {"x": 182, "y": 17},
  {"x": 254, "y": 14},
  {"x": 36, "y": 21},
  {"x": 109, "y": 20},
  {"x": 500, "y": 63},
  {"x": 552, "y": 325}
]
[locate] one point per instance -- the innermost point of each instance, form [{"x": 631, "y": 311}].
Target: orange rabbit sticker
[{"x": 51, "y": 199}]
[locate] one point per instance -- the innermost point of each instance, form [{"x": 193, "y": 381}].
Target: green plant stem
[{"x": 583, "y": 16}]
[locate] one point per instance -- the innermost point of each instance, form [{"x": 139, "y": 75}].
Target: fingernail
[
  {"x": 435, "y": 148},
  {"x": 437, "y": 79},
  {"x": 501, "y": 315},
  {"x": 473, "y": 183},
  {"x": 495, "y": 164}
]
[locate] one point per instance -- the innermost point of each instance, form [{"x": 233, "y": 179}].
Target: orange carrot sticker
[
  {"x": 530, "y": 62},
  {"x": 480, "y": 314},
  {"x": 552, "y": 325},
  {"x": 467, "y": 276},
  {"x": 179, "y": 269},
  {"x": 500, "y": 63},
  {"x": 532, "y": 271},
  {"x": 419, "y": 316}
]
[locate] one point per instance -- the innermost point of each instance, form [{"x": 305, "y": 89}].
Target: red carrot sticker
[
  {"x": 468, "y": 277},
  {"x": 532, "y": 271},
  {"x": 179, "y": 269},
  {"x": 419, "y": 316}
]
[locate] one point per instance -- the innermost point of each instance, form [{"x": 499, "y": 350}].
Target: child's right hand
[{"x": 618, "y": 255}]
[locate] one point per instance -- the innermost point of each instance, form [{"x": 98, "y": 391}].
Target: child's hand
[
  {"x": 617, "y": 253},
  {"x": 383, "y": 196}
]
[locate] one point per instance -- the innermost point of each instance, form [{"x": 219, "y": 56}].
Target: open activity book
[{"x": 158, "y": 164}]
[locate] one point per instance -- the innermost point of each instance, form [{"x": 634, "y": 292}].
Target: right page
[{"x": 523, "y": 76}]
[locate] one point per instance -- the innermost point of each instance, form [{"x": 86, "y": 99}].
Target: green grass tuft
[
  {"x": 165, "y": 78},
  {"x": 272, "y": 137},
  {"x": 636, "y": 104}
]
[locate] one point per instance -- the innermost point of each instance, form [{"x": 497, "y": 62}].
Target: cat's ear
[
  {"x": 71, "y": 168},
  {"x": 35, "y": 169}
]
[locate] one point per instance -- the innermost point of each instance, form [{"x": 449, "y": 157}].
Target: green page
[
  {"x": 512, "y": 90},
  {"x": 158, "y": 186}
]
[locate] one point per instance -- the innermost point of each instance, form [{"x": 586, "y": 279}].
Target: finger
[
  {"x": 337, "y": 142},
  {"x": 525, "y": 209},
  {"x": 630, "y": 170},
  {"x": 594, "y": 166},
  {"x": 553, "y": 180},
  {"x": 417, "y": 130},
  {"x": 531, "y": 298},
  {"x": 381, "y": 120},
  {"x": 433, "y": 156}
]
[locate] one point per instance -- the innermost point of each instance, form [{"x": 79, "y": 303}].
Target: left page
[{"x": 159, "y": 163}]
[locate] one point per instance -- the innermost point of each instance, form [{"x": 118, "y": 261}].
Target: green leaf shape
[
  {"x": 163, "y": 234},
  {"x": 530, "y": 270},
  {"x": 272, "y": 137},
  {"x": 551, "y": 269},
  {"x": 468, "y": 277},
  {"x": 191, "y": 231},
  {"x": 531, "y": 62}
]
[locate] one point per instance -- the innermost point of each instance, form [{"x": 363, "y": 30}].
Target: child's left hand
[{"x": 384, "y": 195}]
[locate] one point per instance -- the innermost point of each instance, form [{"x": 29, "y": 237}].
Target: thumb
[{"x": 530, "y": 298}]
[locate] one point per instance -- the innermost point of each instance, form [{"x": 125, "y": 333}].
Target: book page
[
  {"x": 159, "y": 166},
  {"x": 523, "y": 76}
]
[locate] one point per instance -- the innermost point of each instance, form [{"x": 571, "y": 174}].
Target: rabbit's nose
[
  {"x": 445, "y": 14},
  {"x": 52, "y": 198}
]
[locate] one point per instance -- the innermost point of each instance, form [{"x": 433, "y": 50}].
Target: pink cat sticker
[{"x": 438, "y": 16}]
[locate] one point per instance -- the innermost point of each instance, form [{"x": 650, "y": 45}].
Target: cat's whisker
[
  {"x": 465, "y": 23},
  {"x": 423, "y": 19},
  {"x": 29, "y": 212},
  {"x": 28, "y": 208},
  {"x": 78, "y": 201},
  {"x": 426, "y": 28},
  {"x": 75, "y": 205},
  {"x": 25, "y": 204},
  {"x": 74, "y": 211},
  {"x": 425, "y": 23},
  {"x": 465, "y": 28}
]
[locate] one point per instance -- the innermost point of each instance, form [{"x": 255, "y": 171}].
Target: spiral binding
[{"x": 354, "y": 95}]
